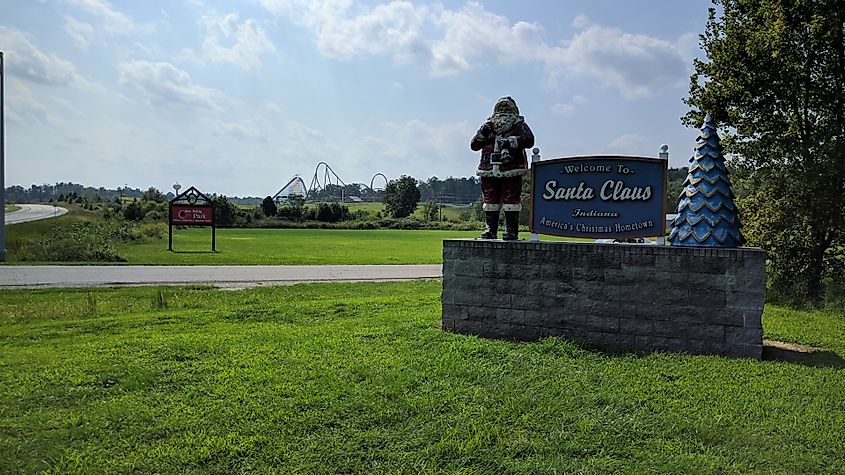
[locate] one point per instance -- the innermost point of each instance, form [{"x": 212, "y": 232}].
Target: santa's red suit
[{"x": 502, "y": 140}]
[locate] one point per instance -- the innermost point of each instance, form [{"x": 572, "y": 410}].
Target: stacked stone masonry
[{"x": 619, "y": 296}]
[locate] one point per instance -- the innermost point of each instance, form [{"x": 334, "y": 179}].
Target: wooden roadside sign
[{"x": 191, "y": 208}]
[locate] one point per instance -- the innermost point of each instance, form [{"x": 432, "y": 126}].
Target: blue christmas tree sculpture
[{"x": 707, "y": 216}]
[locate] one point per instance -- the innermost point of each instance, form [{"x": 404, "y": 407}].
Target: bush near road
[{"x": 81, "y": 235}]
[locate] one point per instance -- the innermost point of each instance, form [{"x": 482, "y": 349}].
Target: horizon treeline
[{"x": 460, "y": 190}]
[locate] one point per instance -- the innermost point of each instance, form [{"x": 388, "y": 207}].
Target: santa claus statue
[{"x": 502, "y": 140}]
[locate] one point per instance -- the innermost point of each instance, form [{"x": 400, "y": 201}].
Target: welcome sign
[
  {"x": 184, "y": 210},
  {"x": 613, "y": 197},
  {"x": 192, "y": 214}
]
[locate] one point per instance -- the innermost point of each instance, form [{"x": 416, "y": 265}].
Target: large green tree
[
  {"x": 268, "y": 206},
  {"x": 401, "y": 196},
  {"x": 153, "y": 194},
  {"x": 774, "y": 80},
  {"x": 225, "y": 211}
]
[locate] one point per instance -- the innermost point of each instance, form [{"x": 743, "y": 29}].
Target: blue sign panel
[{"x": 599, "y": 197}]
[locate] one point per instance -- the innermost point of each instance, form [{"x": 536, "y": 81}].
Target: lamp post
[
  {"x": 440, "y": 208},
  {"x": 2, "y": 160}
]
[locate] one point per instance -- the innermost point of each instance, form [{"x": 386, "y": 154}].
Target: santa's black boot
[
  {"x": 492, "y": 218},
  {"x": 511, "y": 226}
]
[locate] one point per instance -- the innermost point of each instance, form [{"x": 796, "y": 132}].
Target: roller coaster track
[
  {"x": 374, "y": 179},
  {"x": 323, "y": 178},
  {"x": 316, "y": 186}
]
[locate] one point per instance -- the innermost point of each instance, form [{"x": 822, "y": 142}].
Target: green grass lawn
[
  {"x": 371, "y": 208},
  {"x": 340, "y": 378},
  {"x": 450, "y": 211},
  {"x": 239, "y": 246},
  {"x": 296, "y": 246},
  {"x": 10, "y": 208}
]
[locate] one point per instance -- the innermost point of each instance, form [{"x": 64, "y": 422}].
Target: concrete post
[{"x": 535, "y": 157}]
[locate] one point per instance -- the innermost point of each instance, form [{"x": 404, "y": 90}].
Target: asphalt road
[
  {"x": 219, "y": 276},
  {"x": 33, "y": 213}
]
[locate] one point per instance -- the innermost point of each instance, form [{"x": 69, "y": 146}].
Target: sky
[{"x": 237, "y": 98}]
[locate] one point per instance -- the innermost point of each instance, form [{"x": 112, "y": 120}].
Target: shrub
[
  {"x": 330, "y": 212},
  {"x": 151, "y": 230},
  {"x": 133, "y": 211},
  {"x": 155, "y": 216},
  {"x": 78, "y": 242}
]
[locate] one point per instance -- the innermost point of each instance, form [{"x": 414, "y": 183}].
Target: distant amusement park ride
[
  {"x": 294, "y": 187},
  {"x": 325, "y": 183}
]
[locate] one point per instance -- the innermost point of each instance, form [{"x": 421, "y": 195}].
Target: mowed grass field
[
  {"x": 296, "y": 247},
  {"x": 245, "y": 246},
  {"x": 300, "y": 247},
  {"x": 448, "y": 211},
  {"x": 358, "y": 378}
]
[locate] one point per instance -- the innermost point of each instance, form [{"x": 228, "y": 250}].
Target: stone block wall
[{"x": 620, "y": 296}]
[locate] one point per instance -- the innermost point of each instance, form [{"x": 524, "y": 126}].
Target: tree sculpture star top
[{"x": 707, "y": 216}]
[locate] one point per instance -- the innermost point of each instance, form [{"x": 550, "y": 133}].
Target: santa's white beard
[{"x": 503, "y": 122}]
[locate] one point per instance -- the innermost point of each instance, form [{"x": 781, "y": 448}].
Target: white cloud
[
  {"x": 392, "y": 29},
  {"x": 163, "y": 84},
  {"x": 300, "y": 136},
  {"x": 636, "y": 65},
  {"x": 448, "y": 42},
  {"x": 308, "y": 11},
  {"x": 23, "y": 108},
  {"x": 80, "y": 32},
  {"x": 439, "y": 140},
  {"x": 114, "y": 21},
  {"x": 385, "y": 29},
  {"x": 628, "y": 144},
  {"x": 581, "y": 22},
  {"x": 271, "y": 108},
  {"x": 246, "y": 41},
  {"x": 416, "y": 148},
  {"x": 565, "y": 109},
  {"x": 473, "y": 36},
  {"x": 263, "y": 123},
  {"x": 238, "y": 130},
  {"x": 25, "y": 60}
]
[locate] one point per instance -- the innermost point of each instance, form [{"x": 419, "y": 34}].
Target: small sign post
[
  {"x": 609, "y": 197},
  {"x": 192, "y": 208}
]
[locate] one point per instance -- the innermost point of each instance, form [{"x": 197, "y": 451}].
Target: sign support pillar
[
  {"x": 213, "y": 230},
  {"x": 535, "y": 157},
  {"x": 664, "y": 155}
]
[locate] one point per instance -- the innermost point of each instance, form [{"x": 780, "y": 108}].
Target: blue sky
[{"x": 238, "y": 97}]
